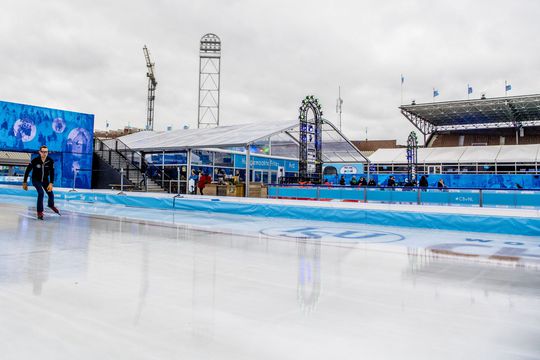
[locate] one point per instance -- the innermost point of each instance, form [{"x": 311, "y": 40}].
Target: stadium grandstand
[
  {"x": 478, "y": 138},
  {"x": 511, "y": 120}
]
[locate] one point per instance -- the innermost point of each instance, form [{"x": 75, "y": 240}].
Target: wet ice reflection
[{"x": 87, "y": 287}]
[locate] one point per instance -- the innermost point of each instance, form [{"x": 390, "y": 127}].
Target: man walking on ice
[{"x": 42, "y": 168}]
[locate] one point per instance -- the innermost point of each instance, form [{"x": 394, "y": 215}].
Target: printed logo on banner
[
  {"x": 334, "y": 234},
  {"x": 348, "y": 169},
  {"x": 465, "y": 199}
]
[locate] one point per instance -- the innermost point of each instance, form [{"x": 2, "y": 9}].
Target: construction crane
[{"x": 152, "y": 83}]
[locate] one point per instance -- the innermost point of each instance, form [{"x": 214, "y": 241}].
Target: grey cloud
[{"x": 87, "y": 56}]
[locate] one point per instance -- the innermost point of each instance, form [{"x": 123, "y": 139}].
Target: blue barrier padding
[
  {"x": 405, "y": 196},
  {"x": 464, "y": 197},
  {"x": 379, "y": 195},
  {"x": 458, "y": 222},
  {"x": 435, "y": 197},
  {"x": 499, "y": 199},
  {"x": 341, "y": 193},
  {"x": 529, "y": 199}
]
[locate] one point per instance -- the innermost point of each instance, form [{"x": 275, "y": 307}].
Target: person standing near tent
[
  {"x": 203, "y": 180},
  {"x": 193, "y": 179},
  {"x": 42, "y": 168}
]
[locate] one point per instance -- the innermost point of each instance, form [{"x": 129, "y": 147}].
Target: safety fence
[{"x": 523, "y": 198}]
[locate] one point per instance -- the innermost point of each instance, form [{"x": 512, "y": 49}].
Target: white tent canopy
[
  {"x": 476, "y": 154},
  {"x": 222, "y": 136},
  {"x": 519, "y": 153},
  {"x": 284, "y": 140},
  {"x": 461, "y": 154}
]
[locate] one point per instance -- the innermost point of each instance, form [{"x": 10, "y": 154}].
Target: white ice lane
[
  {"x": 86, "y": 286},
  {"x": 506, "y": 249}
]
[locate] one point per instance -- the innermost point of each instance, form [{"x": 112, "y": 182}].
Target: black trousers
[{"x": 41, "y": 189}]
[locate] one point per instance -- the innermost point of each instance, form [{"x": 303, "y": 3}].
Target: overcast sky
[{"x": 87, "y": 56}]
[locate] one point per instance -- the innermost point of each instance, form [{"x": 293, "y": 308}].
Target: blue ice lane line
[{"x": 439, "y": 221}]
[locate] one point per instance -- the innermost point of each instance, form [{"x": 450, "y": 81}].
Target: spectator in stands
[
  {"x": 363, "y": 181},
  {"x": 423, "y": 182},
  {"x": 342, "y": 180},
  {"x": 237, "y": 179},
  {"x": 371, "y": 182},
  {"x": 221, "y": 177},
  {"x": 353, "y": 181},
  {"x": 440, "y": 184},
  {"x": 391, "y": 182},
  {"x": 407, "y": 185},
  {"x": 326, "y": 182}
]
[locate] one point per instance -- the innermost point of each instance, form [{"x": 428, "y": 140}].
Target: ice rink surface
[{"x": 111, "y": 282}]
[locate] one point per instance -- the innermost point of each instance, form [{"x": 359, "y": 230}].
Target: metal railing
[
  {"x": 152, "y": 172},
  {"x": 519, "y": 198},
  {"x": 119, "y": 161},
  {"x": 136, "y": 169}
]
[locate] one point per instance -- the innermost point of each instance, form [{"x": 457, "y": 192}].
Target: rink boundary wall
[{"x": 529, "y": 226}]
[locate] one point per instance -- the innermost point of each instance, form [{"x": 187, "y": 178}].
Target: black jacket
[{"x": 41, "y": 171}]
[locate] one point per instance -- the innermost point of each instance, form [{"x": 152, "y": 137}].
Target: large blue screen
[{"x": 68, "y": 135}]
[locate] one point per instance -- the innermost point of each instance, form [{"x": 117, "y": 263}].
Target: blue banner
[
  {"x": 68, "y": 135},
  {"x": 264, "y": 163}
]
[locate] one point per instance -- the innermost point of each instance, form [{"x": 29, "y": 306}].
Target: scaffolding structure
[{"x": 209, "y": 81}]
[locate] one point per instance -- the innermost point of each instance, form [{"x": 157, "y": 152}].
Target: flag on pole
[
  {"x": 507, "y": 87},
  {"x": 402, "y": 79},
  {"x": 435, "y": 92},
  {"x": 469, "y": 89}
]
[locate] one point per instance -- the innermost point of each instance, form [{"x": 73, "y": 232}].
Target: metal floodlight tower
[
  {"x": 209, "y": 81},
  {"x": 152, "y": 83}
]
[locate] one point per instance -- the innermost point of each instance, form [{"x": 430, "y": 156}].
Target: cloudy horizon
[{"x": 87, "y": 57}]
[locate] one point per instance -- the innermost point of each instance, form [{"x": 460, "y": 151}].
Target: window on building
[
  {"x": 526, "y": 168},
  {"x": 202, "y": 157},
  {"x": 506, "y": 168},
  {"x": 467, "y": 168},
  {"x": 486, "y": 168},
  {"x": 223, "y": 159},
  {"x": 450, "y": 169}
]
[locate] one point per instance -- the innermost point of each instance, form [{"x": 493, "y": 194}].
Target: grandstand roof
[
  {"x": 461, "y": 155},
  {"x": 510, "y": 111}
]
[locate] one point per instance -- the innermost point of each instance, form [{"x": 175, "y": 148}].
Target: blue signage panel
[
  {"x": 68, "y": 135},
  {"x": 264, "y": 163}
]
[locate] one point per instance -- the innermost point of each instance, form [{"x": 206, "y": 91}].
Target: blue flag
[
  {"x": 469, "y": 89},
  {"x": 508, "y": 87},
  {"x": 435, "y": 92}
]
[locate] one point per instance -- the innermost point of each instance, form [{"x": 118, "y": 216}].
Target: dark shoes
[{"x": 53, "y": 208}]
